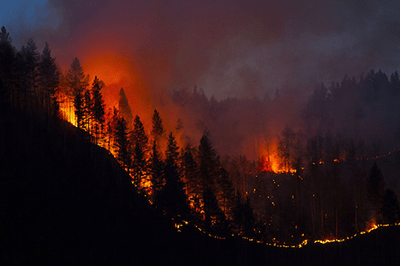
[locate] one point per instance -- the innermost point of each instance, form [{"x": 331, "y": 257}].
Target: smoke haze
[{"x": 238, "y": 52}]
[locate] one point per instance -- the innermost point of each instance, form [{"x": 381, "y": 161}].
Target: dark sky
[{"x": 228, "y": 48}]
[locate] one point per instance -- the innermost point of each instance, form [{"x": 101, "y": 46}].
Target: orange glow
[
  {"x": 109, "y": 68},
  {"x": 371, "y": 226},
  {"x": 270, "y": 161},
  {"x": 273, "y": 165},
  {"x": 67, "y": 109}
]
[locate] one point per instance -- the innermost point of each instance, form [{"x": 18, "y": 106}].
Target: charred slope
[{"x": 64, "y": 201}]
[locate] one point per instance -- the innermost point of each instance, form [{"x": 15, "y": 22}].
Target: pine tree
[
  {"x": 27, "y": 63},
  {"x": 77, "y": 81},
  {"x": 243, "y": 216},
  {"x": 7, "y": 66},
  {"x": 76, "y": 78},
  {"x": 158, "y": 128},
  {"x": 124, "y": 108},
  {"x": 395, "y": 84},
  {"x": 214, "y": 218},
  {"x": 190, "y": 176},
  {"x": 79, "y": 112},
  {"x": 31, "y": 58},
  {"x": 173, "y": 198},
  {"x": 139, "y": 142},
  {"x": 208, "y": 162},
  {"x": 122, "y": 142},
  {"x": 5, "y": 36},
  {"x": 97, "y": 108},
  {"x": 226, "y": 193},
  {"x": 87, "y": 111},
  {"x": 156, "y": 170},
  {"x": 49, "y": 80}
]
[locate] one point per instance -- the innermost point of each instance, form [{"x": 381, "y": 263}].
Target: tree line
[{"x": 186, "y": 183}]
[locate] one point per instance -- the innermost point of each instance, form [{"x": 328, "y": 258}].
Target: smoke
[
  {"x": 25, "y": 19},
  {"x": 239, "y": 51}
]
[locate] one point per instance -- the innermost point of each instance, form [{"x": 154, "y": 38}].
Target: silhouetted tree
[
  {"x": 124, "y": 108},
  {"x": 243, "y": 216},
  {"x": 190, "y": 175},
  {"x": 225, "y": 192},
  {"x": 158, "y": 128},
  {"x": 214, "y": 218},
  {"x": 31, "y": 58},
  {"x": 390, "y": 209},
  {"x": 173, "y": 196},
  {"x": 156, "y": 170},
  {"x": 27, "y": 63},
  {"x": 208, "y": 162},
  {"x": 87, "y": 111},
  {"x": 79, "y": 111},
  {"x": 49, "y": 80},
  {"x": 122, "y": 142},
  {"x": 395, "y": 83},
  {"x": 139, "y": 146},
  {"x": 97, "y": 108},
  {"x": 286, "y": 148},
  {"x": 77, "y": 82},
  {"x": 7, "y": 66}
]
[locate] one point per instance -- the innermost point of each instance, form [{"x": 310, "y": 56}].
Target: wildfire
[
  {"x": 67, "y": 109},
  {"x": 266, "y": 164}
]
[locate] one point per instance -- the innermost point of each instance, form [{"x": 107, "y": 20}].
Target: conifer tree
[
  {"x": 7, "y": 65},
  {"x": 226, "y": 193},
  {"x": 49, "y": 80},
  {"x": 139, "y": 146},
  {"x": 208, "y": 163},
  {"x": 214, "y": 218},
  {"x": 243, "y": 216},
  {"x": 31, "y": 59},
  {"x": 158, "y": 128},
  {"x": 79, "y": 111},
  {"x": 190, "y": 176},
  {"x": 77, "y": 81},
  {"x": 156, "y": 170},
  {"x": 87, "y": 111},
  {"x": 97, "y": 108},
  {"x": 173, "y": 198},
  {"x": 27, "y": 63},
  {"x": 122, "y": 142},
  {"x": 124, "y": 108}
]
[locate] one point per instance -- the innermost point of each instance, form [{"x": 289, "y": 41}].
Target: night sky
[{"x": 227, "y": 48}]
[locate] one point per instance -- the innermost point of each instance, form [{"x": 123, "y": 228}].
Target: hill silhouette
[{"x": 66, "y": 201}]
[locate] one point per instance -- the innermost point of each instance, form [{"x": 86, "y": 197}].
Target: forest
[{"x": 329, "y": 179}]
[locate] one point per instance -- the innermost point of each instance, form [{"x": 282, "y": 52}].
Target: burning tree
[{"x": 77, "y": 82}]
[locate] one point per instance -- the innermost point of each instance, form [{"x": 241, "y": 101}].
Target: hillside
[{"x": 65, "y": 201}]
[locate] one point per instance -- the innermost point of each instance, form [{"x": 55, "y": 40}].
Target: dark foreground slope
[{"x": 64, "y": 201}]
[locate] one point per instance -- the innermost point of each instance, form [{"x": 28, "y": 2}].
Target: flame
[
  {"x": 67, "y": 109},
  {"x": 269, "y": 160},
  {"x": 273, "y": 164},
  {"x": 371, "y": 226}
]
